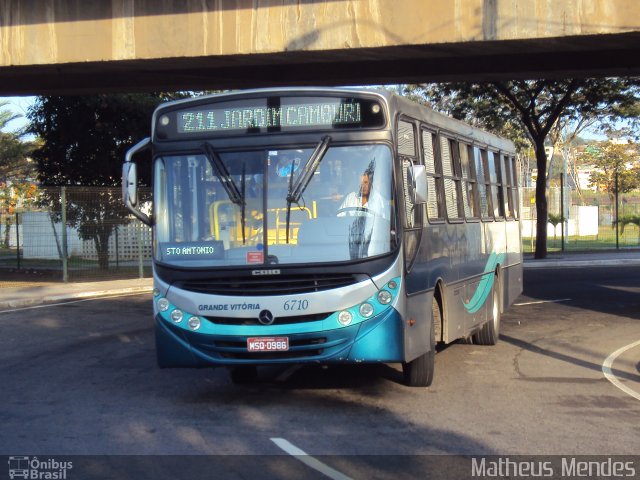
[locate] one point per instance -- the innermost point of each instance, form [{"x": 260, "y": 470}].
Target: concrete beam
[{"x": 82, "y": 46}]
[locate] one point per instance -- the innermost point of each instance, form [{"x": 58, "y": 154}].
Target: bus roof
[{"x": 397, "y": 105}]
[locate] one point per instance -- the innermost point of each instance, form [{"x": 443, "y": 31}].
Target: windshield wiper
[
  {"x": 236, "y": 196},
  {"x": 223, "y": 174},
  {"x": 296, "y": 190}
]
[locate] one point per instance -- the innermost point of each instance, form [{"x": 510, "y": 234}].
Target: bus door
[{"x": 418, "y": 301}]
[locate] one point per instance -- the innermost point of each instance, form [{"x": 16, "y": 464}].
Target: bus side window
[
  {"x": 516, "y": 198},
  {"x": 469, "y": 187},
  {"x": 480, "y": 157},
  {"x": 505, "y": 166},
  {"x": 407, "y": 154},
  {"x": 451, "y": 179},
  {"x": 495, "y": 187},
  {"x": 435, "y": 205}
]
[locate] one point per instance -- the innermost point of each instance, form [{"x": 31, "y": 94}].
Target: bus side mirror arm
[{"x": 130, "y": 182}]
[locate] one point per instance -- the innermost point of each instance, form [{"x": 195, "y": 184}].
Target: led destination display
[
  {"x": 320, "y": 114},
  {"x": 263, "y": 115}
]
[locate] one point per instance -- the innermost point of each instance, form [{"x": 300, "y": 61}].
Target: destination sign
[
  {"x": 308, "y": 115},
  {"x": 192, "y": 250},
  {"x": 273, "y": 114}
]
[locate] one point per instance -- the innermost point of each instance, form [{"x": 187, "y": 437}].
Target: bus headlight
[
  {"x": 366, "y": 310},
  {"x": 392, "y": 285},
  {"x": 345, "y": 318},
  {"x": 384, "y": 297},
  {"x": 194, "y": 323},
  {"x": 163, "y": 304},
  {"x": 176, "y": 316}
]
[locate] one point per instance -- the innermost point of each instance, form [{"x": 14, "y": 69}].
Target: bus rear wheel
[
  {"x": 490, "y": 331},
  {"x": 419, "y": 371}
]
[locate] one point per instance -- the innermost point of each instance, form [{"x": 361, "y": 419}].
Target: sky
[{"x": 20, "y": 106}]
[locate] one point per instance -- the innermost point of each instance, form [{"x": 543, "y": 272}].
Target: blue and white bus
[{"x": 325, "y": 225}]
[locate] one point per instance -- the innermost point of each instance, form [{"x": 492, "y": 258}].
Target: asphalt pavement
[
  {"x": 81, "y": 378},
  {"x": 38, "y": 294}
]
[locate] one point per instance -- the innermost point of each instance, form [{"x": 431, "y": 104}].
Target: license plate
[{"x": 268, "y": 344}]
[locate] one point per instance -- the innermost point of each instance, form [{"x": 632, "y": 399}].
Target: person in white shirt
[{"x": 364, "y": 201}]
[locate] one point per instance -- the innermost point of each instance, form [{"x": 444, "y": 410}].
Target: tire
[
  {"x": 489, "y": 334},
  {"x": 244, "y": 374},
  {"x": 419, "y": 372}
]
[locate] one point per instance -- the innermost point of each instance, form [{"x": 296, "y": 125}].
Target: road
[{"x": 81, "y": 379}]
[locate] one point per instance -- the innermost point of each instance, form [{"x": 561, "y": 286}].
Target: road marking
[
  {"x": 608, "y": 373},
  {"x": 537, "y": 302},
  {"x": 33, "y": 307},
  {"x": 308, "y": 460}
]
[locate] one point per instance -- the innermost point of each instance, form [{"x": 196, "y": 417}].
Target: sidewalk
[
  {"x": 32, "y": 295},
  {"x": 609, "y": 258}
]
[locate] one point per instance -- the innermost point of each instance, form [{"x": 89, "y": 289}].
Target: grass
[{"x": 606, "y": 239}]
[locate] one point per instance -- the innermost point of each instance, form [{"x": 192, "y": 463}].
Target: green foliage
[
  {"x": 84, "y": 138},
  {"x": 15, "y": 164},
  {"x": 83, "y": 143},
  {"x": 476, "y": 104},
  {"x": 16, "y": 170},
  {"x": 555, "y": 219},
  {"x": 529, "y": 109},
  {"x": 617, "y": 167}
]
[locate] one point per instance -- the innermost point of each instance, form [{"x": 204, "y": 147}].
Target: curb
[
  {"x": 581, "y": 263},
  {"x": 53, "y": 299}
]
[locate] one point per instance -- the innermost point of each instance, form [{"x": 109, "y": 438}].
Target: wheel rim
[
  {"x": 437, "y": 322},
  {"x": 496, "y": 310}
]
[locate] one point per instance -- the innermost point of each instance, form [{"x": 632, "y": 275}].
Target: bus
[{"x": 324, "y": 225}]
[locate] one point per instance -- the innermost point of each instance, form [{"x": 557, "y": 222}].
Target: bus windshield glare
[{"x": 230, "y": 208}]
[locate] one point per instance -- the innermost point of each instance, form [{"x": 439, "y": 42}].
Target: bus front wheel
[{"x": 419, "y": 371}]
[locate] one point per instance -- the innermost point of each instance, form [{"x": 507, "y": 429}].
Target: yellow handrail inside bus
[{"x": 275, "y": 235}]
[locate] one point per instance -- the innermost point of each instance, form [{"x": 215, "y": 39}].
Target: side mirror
[
  {"x": 130, "y": 182},
  {"x": 419, "y": 177},
  {"x": 411, "y": 184}
]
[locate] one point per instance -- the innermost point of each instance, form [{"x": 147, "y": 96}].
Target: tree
[
  {"x": 17, "y": 171},
  {"x": 555, "y": 219},
  {"x": 530, "y": 109},
  {"x": 14, "y": 152},
  {"x": 84, "y": 141},
  {"x": 616, "y": 167}
]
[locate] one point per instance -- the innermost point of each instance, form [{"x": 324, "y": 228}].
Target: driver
[{"x": 364, "y": 201}]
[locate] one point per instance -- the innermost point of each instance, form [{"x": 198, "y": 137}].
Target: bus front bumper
[{"x": 379, "y": 339}]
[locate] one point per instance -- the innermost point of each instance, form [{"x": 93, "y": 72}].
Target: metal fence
[
  {"x": 592, "y": 220},
  {"x": 84, "y": 233},
  {"x": 74, "y": 234}
]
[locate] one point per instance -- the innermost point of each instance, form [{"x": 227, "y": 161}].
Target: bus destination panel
[{"x": 270, "y": 115}]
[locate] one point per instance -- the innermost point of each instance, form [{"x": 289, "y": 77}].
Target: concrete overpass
[{"x": 84, "y": 46}]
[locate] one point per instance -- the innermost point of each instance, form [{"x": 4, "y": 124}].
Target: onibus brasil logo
[{"x": 37, "y": 469}]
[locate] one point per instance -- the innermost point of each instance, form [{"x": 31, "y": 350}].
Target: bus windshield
[{"x": 230, "y": 208}]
